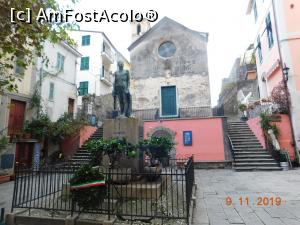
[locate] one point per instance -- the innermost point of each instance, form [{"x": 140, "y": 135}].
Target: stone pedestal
[
  {"x": 122, "y": 127},
  {"x": 128, "y": 128}
]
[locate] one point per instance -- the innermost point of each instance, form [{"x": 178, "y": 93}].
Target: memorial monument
[{"x": 123, "y": 125}]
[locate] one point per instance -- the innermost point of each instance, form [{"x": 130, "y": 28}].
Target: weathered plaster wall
[
  {"x": 187, "y": 68},
  {"x": 191, "y": 91}
]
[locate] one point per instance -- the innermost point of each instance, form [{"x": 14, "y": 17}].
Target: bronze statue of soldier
[{"x": 121, "y": 90}]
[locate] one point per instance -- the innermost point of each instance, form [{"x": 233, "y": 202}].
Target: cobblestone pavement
[
  {"x": 6, "y": 194},
  {"x": 214, "y": 186}
]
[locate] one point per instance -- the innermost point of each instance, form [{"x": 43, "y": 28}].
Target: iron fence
[
  {"x": 189, "y": 112},
  {"x": 148, "y": 195}
]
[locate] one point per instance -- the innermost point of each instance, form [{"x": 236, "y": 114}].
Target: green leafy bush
[
  {"x": 3, "y": 142},
  {"x": 114, "y": 148},
  {"x": 39, "y": 127},
  {"x": 266, "y": 125},
  {"x": 65, "y": 126},
  {"x": 242, "y": 107},
  {"x": 157, "y": 147},
  {"x": 88, "y": 198}
]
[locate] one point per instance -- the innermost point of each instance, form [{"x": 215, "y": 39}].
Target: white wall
[
  {"x": 96, "y": 85},
  {"x": 64, "y": 81}
]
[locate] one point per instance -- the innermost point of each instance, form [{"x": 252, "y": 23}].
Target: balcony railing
[
  {"x": 106, "y": 77},
  {"x": 189, "y": 112},
  {"x": 107, "y": 56}
]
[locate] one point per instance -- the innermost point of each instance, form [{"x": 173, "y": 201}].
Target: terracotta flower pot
[{"x": 4, "y": 178}]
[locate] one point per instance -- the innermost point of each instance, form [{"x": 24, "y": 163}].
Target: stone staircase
[
  {"x": 248, "y": 153},
  {"x": 82, "y": 156}
]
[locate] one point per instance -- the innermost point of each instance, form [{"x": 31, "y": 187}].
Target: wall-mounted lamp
[{"x": 285, "y": 71}]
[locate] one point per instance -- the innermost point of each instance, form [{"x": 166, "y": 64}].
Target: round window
[{"x": 166, "y": 49}]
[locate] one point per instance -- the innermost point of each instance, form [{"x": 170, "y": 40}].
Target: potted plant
[
  {"x": 3, "y": 142},
  {"x": 284, "y": 160},
  {"x": 116, "y": 150},
  {"x": 243, "y": 108},
  {"x": 158, "y": 150}
]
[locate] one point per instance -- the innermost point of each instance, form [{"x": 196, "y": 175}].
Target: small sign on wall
[{"x": 187, "y": 138}]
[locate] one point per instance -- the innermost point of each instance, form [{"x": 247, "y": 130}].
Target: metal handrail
[{"x": 231, "y": 147}]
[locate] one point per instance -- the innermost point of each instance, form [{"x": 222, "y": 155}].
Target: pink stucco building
[
  {"x": 277, "y": 42},
  {"x": 207, "y": 137}
]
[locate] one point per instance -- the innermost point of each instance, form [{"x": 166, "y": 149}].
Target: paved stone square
[{"x": 214, "y": 186}]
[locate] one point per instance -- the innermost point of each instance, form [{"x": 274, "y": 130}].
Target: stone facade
[{"x": 187, "y": 69}]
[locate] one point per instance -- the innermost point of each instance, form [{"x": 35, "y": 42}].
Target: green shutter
[
  {"x": 168, "y": 101},
  {"x": 60, "y": 61},
  {"x": 84, "y": 64},
  {"x": 83, "y": 88},
  {"x": 85, "y": 40},
  {"x": 51, "y": 91}
]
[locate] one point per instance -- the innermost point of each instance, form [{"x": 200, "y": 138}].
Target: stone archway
[{"x": 161, "y": 131}]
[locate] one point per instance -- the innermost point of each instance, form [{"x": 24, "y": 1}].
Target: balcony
[
  {"x": 107, "y": 56},
  {"x": 106, "y": 77}
]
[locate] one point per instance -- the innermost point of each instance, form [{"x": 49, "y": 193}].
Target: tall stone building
[{"x": 169, "y": 71}]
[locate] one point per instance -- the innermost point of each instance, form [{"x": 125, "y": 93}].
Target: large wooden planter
[{"x": 4, "y": 178}]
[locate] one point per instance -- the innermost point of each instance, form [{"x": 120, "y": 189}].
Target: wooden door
[
  {"x": 16, "y": 117},
  {"x": 24, "y": 153},
  {"x": 71, "y": 106},
  {"x": 168, "y": 101}
]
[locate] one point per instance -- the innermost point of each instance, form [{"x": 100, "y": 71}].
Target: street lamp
[{"x": 285, "y": 70}]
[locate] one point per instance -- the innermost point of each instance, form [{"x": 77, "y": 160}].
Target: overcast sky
[{"x": 230, "y": 29}]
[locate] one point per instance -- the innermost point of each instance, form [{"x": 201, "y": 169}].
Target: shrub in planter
[
  {"x": 114, "y": 148},
  {"x": 266, "y": 125},
  {"x": 3, "y": 142},
  {"x": 88, "y": 188},
  {"x": 158, "y": 149},
  {"x": 280, "y": 96}
]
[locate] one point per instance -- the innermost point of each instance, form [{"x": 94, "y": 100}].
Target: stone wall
[{"x": 187, "y": 68}]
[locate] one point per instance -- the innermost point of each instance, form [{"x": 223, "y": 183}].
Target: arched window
[{"x": 138, "y": 29}]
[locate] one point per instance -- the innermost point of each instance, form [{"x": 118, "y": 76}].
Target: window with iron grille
[
  {"x": 85, "y": 63},
  {"x": 269, "y": 31},
  {"x": 259, "y": 50},
  {"x": 85, "y": 40},
  {"x": 83, "y": 88},
  {"x": 51, "y": 91},
  {"x": 19, "y": 69},
  {"x": 60, "y": 61}
]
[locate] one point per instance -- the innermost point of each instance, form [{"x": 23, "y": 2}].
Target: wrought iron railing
[
  {"x": 168, "y": 197},
  {"x": 188, "y": 112},
  {"x": 262, "y": 107}
]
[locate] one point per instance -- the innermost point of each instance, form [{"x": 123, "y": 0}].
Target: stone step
[
  {"x": 262, "y": 152},
  {"x": 258, "y": 159},
  {"x": 238, "y": 127},
  {"x": 245, "y": 141},
  {"x": 242, "y": 137},
  {"x": 251, "y": 155},
  {"x": 239, "y": 145},
  {"x": 240, "y": 132},
  {"x": 254, "y": 150},
  {"x": 256, "y": 168},
  {"x": 255, "y": 164}
]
